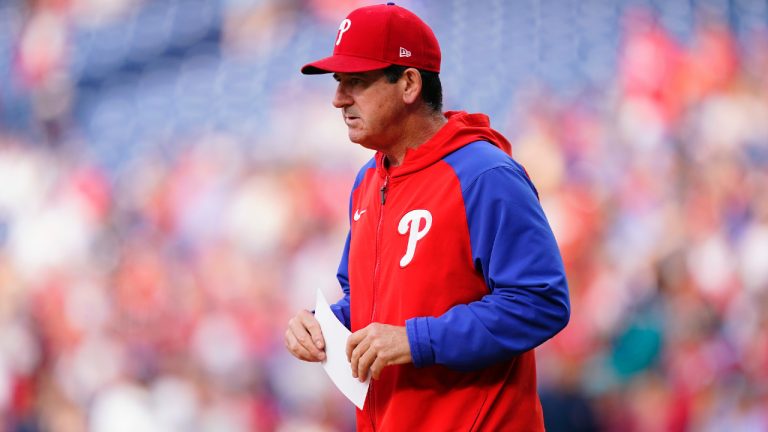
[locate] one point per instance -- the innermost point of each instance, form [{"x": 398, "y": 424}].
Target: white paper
[{"x": 336, "y": 365}]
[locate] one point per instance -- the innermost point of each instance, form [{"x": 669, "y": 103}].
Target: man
[{"x": 451, "y": 274}]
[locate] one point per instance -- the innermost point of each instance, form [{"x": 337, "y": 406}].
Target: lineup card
[{"x": 336, "y": 365}]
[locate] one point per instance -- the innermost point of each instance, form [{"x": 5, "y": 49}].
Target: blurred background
[{"x": 172, "y": 191}]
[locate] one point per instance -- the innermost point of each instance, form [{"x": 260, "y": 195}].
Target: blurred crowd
[
  {"x": 155, "y": 297},
  {"x": 658, "y": 193},
  {"x": 158, "y": 303}
]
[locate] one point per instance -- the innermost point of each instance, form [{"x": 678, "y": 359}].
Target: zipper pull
[{"x": 383, "y": 190}]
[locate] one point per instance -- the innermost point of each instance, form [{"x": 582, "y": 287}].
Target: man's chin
[
  {"x": 355, "y": 138},
  {"x": 361, "y": 142}
]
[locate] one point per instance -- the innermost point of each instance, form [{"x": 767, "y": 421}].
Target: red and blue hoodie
[{"x": 453, "y": 244}]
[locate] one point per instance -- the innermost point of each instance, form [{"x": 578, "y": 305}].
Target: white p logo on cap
[{"x": 343, "y": 27}]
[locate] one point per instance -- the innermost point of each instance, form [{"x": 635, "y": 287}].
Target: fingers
[
  {"x": 363, "y": 351},
  {"x": 311, "y": 324},
  {"x": 357, "y": 352},
  {"x": 304, "y": 339},
  {"x": 295, "y": 348},
  {"x": 365, "y": 362},
  {"x": 375, "y": 347},
  {"x": 377, "y": 367},
  {"x": 353, "y": 340}
]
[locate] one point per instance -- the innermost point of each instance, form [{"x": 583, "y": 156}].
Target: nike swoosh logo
[{"x": 357, "y": 215}]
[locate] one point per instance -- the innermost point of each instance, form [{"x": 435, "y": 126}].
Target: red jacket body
[{"x": 423, "y": 253}]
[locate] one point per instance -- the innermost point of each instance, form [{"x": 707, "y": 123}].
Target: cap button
[{"x": 390, "y": 3}]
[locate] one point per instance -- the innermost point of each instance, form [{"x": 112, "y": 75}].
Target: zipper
[
  {"x": 383, "y": 191},
  {"x": 383, "y": 196},
  {"x": 372, "y": 405}
]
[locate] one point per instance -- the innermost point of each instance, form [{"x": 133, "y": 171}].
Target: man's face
[{"x": 371, "y": 106}]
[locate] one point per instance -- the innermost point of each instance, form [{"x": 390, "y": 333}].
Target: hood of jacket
[{"x": 461, "y": 129}]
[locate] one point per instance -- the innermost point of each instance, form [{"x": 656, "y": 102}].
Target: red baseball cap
[{"x": 374, "y": 37}]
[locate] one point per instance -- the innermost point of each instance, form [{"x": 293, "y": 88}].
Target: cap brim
[{"x": 342, "y": 63}]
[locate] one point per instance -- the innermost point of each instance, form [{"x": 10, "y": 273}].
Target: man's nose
[{"x": 341, "y": 99}]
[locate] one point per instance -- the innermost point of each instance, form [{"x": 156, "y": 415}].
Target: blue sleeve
[
  {"x": 341, "y": 307},
  {"x": 514, "y": 249}
]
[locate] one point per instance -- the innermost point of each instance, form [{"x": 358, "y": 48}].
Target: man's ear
[{"x": 411, "y": 85}]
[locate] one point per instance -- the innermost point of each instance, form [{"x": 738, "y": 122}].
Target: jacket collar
[{"x": 461, "y": 129}]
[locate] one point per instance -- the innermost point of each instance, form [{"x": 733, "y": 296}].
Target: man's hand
[
  {"x": 304, "y": 339},
  {"x": 377, "y": 346}
]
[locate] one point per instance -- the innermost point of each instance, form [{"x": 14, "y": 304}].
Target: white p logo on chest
[
  {"x": 411, "y": 224},
  {"x": 343, "y": 27}
]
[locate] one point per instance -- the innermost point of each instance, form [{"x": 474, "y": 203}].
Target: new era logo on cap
[{"x": 375, "y": 37}]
